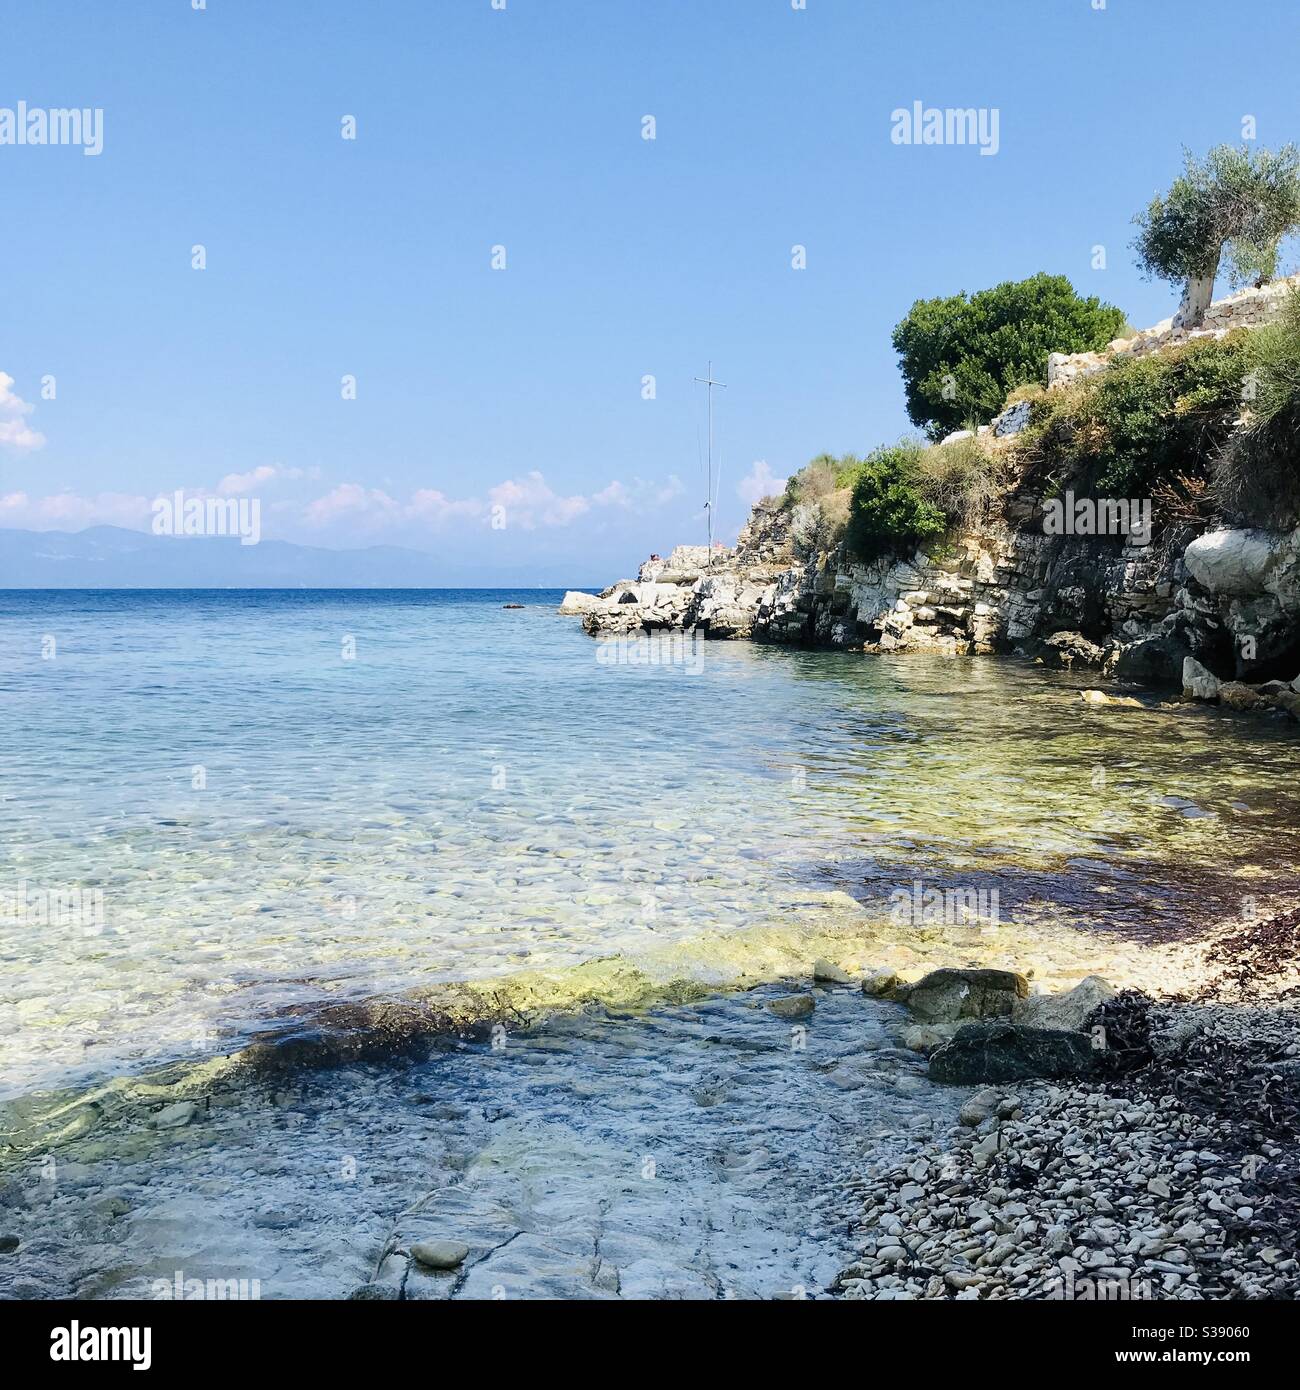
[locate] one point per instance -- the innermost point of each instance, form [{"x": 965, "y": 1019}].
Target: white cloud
[
  {"x": 15, "y": 432},
  {"x": 670, "y": 490},
  {"x": 529, "y": 502},
  {"x": 615, "y": 495},
  {"x": 350, "y": 510},
  {"x": 233, "y": 484},
  {"x": 68, "y": 511},
  {"x": 353, "y": 503},
  {"x": 759, "y": 483},
  {"x": 428, "y": 504}
]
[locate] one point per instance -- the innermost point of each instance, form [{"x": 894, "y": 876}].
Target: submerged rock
[
  {"x": 1237, "y": 695},
  {"x": 792, "y": 1005},
  {"x": 174, "y": 1116},
  {"x": 1099, "y": 697},
  {"x": 925, "y": 1037},
  {"x": 439, "y": 1254},
  {"x": 831, "y": 973},
  {"x": 996, "y": 1052},
  {"x": 881, "y": 984}
]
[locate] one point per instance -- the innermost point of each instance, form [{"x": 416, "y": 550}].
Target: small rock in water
[
  {"x": 439, "y": 1254},
  {"x": 880, "y": 982},
  {"x": 924, "y": 1038},
  {"x": 173, "y": 1116},
  {"x": 792, "y": 1005},
  {"x": 374, "y": 1293},
  {"x": 8, "y": 1244},
  {"x": 831, "y": 973}
]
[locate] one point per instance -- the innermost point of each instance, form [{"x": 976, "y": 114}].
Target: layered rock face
[
  {"x": 1216, "y": 615},
  {"x": 693, "y": 590},
  {"x": 980, "y": 593},
  {"x": 1220, "y": 612}
]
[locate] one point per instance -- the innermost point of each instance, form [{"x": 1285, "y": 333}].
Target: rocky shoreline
[
  {"x": 830, "y": 1132},
  {"x": 1162, "y": 1162},
  {"x": 1177, "y": 1182},
  {"x": 1203, "y": 605}
]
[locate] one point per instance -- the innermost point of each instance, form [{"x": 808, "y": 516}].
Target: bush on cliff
[
  {"x": 1258, "y": 472},
  {"x": 964, "y": 479},
  {"x": 961, "y": 355},
  {"x": 889, "y": 512},
  {"x": 1145, "y": 426},
  {"x": 818, "y": 500}
]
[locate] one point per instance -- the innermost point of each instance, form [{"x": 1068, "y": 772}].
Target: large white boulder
[
  {"x": 1234, "y": 564},
  {"x": 1198, "y": 683},
  {"x": 575, "y": 601},
  {"x": 1068, "y": 1010}
]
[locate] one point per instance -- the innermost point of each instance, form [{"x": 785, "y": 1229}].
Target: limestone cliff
[{"x": 1214, "y": 612}]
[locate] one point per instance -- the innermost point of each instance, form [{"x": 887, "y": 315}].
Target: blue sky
[{"x": 479, "y": 127}]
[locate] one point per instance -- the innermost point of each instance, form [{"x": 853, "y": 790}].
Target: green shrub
[
  {"x": 1258, "y": 471},
  {"x": 817, "y": 498},
  {"x": 962, "y": 479},
  {"x": 1142, "y": 421},
  {"x": 961, "y": 355},
  {"x": 889, "y": 512}
]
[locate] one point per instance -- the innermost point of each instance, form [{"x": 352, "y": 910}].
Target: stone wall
[{"x": 1249, "y": 308}]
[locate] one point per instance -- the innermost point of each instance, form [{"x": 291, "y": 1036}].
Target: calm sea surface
[{"x": 215, "y": 805}]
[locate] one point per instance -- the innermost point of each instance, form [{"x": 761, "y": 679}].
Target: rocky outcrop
[
  {"x": 1193, "y": 613},
  {"x": 717, "y": 593},
  {"x": 578, "y": 601},
  {"x": 982, "y": 1053},
  {"x": 945, "y": 996}
]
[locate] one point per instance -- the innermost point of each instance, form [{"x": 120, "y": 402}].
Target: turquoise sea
[{"x": 217, "y": 805}]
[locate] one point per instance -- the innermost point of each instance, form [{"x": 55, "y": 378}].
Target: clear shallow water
[{"x": 476, "y": 793}]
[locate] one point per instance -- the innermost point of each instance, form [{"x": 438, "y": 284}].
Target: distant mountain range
[{"x": 112, "y": 557}]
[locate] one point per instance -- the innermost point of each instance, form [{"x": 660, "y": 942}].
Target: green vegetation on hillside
[
  {"x": 1258, "y": 474},
  {"x": 1208, "y": 427},
  {"x": 897, "y": 497},
  {"x": 1142, "y": 421},
  {"x": 961, "y": 355}
]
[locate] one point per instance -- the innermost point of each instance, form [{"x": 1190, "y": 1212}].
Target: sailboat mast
[{"x": 708, "y": 382}]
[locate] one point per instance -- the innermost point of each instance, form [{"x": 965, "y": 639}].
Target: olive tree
[{"x": 1239, "y": 200}]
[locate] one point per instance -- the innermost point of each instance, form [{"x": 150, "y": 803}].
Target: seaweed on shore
[{"x": 1260, "y": 954}]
